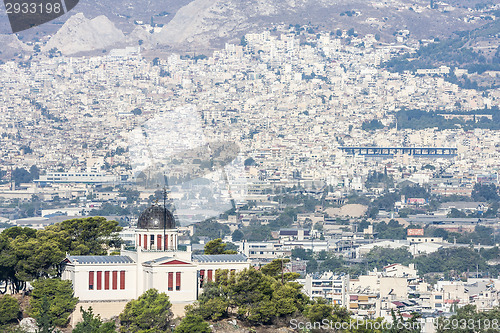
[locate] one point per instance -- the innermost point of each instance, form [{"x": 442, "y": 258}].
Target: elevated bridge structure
[{"x": 438, "y": 152}]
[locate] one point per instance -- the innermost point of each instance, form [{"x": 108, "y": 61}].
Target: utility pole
[{"x": 164, "y": 216}]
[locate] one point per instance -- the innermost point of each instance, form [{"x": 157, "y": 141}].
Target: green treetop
[
  {"x": 52, "y": 300},
  {"x": 150, "y": 313},
  {"x": 216, "y": 246}
]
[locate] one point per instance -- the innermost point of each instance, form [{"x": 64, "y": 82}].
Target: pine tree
[
  {"x": 93, "y": 324},
  {"x": 43, "y": 319}
]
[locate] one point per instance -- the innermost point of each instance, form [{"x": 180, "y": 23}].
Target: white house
[
  {"x": 398, "y": 270},
  {"x": 108, "y": 283}
]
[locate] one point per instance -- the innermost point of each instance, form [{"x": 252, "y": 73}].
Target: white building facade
[
  {"x": 107, "y": 283},
  {"x": 334, "y": 288}
]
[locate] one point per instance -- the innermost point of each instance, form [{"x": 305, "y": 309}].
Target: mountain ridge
[
  {"x": 211, "y": 23},
  {"x": 205, "y": 25}
]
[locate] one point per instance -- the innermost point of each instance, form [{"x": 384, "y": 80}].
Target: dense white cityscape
[
  {"x": 328, "y": 173},
  {"x": 268, "y": 97}
]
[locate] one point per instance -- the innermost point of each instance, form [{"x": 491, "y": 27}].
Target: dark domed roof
[{"x": 154, "y": 218}]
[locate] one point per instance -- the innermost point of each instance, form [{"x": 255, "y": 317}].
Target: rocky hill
[
  {"x": 11, "y": 45},
  {"x": 79, "y": 34}
]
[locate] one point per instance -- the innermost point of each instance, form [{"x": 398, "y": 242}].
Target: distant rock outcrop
[
  {"x": 11, "y": 45},
  {"x": 140, "y": 36},
  {"x": 207, "y": 23},
  {"x": 80, "y": 34}
]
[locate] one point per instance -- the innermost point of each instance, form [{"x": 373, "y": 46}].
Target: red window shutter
[
  {"x": 91, "y": 280},
  {"x": 99, "y": 280},
  {"x": 178, "y": 281},
  {"x": 115, "y": 280},
  {"x": 122, "y": 280},
  {"x": 106, "y": 280},
  {"x": 140, "y": 240},
  {"x": 170, "y": 281},
  {"x": 166, "y": 242},
  {"x": 158, "y": 240},
  {"x": 202, "y": 277},
  {"x": 145, "y": 242},
  {"x": 209, "y": 275}
]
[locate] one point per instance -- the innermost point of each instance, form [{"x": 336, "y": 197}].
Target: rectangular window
[
  {"x": 115, "y": 280},
  {"x": 106, "y": 280},
  {"x": 170, "y": 281},
  {"x": 158, "y": 240},
  {"x": 151, "y": 241},
  {"x": 178, "y": 281},
  {"x": 91, "y": 280},
  {"x": 140, "y": 242},
  {"x": 122, "y": 280},
  {"x": 99, "y": 280},
  {"x": 209, "y": 275},
  {"x": 145, "y": 242},
  {"x": 166, "y": 242},
  {"x": 202, "y": 277}
]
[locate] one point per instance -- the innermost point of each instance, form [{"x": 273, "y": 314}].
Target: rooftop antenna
[{"x": 165, "y": 195}]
